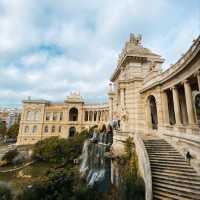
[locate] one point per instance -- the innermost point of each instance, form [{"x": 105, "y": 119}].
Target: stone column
[
  {"x": 198, "y": 79},
  {"x": 97, "y": 116},
  {"x": 176, "y": 106},
  {"x": 189, "y": 103},
  {"x": 110, "y": 109},
  {"x": 122, "y": 97},
  {"x": 165, "y": 108}
]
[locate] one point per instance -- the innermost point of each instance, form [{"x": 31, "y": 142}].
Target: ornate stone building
[
  {"x": 147, "y": 100},
  {"x": 41, "y": 119}
]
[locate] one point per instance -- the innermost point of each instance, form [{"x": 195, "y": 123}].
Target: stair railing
[{"x": 144, "y": 165}]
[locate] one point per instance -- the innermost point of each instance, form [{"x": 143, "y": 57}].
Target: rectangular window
[
  {"x": 61, "y": 116},
  {"x": 54, "y": 116},
  {"x": 60, "y": 129},
  {"x": 48, "y": 115}
]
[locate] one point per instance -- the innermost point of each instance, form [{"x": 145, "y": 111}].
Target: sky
[{"x": 49, "y": 48}]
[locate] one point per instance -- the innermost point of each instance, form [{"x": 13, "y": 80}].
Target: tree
[
  {"x": 60, "y": 150},
  {"x": 3, "y": 129},
  {"x": 5, "y": 192},
  {"x": 13, "y": 131}
]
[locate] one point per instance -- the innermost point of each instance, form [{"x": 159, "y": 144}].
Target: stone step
[
  {"x": 161, "y": 150},
  {"x": 179, "y": 192},
  {"x": 166, "y": 156},
  {"x": 177, "y": 183},
  {"x": 169, "y": 161},
  {"x": 177, "y": 179},
  {"x": 178, "y": 175},
  {"x": 173, "y": 170},
  {"x": 167, "y": 164},
  {"x": 177, "y": 187},
  {"x": 161, "y": 159},
  {"x": 164, "y": 153},
  {"x": 172, "y": 176},
  {"x": 173, "y": 194},
  {"x": 159, "y": 145},
  {"x": 160, "y": 195}
]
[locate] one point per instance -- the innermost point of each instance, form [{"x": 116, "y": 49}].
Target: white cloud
[{"x": 49, "y": 48}]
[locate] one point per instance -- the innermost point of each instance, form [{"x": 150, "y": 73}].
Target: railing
[{"x": 144, "y": 165}]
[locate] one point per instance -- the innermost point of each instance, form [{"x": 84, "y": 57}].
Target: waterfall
[
  {"x": 95, "y": 165},
  {"x": 84, "y": 158}
]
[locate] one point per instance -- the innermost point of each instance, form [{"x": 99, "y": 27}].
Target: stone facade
[
  {"x": 42, "y": 119},
  {"x": 148, "y": 100}
]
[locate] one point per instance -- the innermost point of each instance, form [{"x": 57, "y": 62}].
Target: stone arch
[
  {"x": 73, "y": 114},
  {"x": 72, "y": 131},
  {"x": 197, "y": 107},
  {"x": 153, "y": 114}
]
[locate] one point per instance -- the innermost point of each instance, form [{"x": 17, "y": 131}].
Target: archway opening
[
  {"x": 72, "y": 131},
  {"x": 153, "y": 112},
  {"x": 197, "y": 107},
  {"x": 73, "y": 114}
]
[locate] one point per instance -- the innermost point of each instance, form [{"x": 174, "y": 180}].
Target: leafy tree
[
  {"x": 57, "y": 186},
  {"x": 132, "y": 184},
  {"x": 3, "y": 128},
  {"x": 5, "y": 192},
  {"x": 10, "y": 155},
  {"x": 60, "y": 150},
  {"x": 13, "y": 131}
]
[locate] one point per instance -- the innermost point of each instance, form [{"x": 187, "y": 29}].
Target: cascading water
[{"x": 95, "y": 162}]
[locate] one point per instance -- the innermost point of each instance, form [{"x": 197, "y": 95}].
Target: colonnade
[
  {"x": 178, "y": 101},
  {"x": 96, "y": 115}
]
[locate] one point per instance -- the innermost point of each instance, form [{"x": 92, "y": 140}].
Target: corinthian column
[
  {"x": 122, "y": 97},
  {"x": 198, "y": 79},
  {"x": 110, "y": 108},
  {"x": 176, "y": 106},
  {"x": 189, "y": 103},
  {"x": 165, "y": 108}
]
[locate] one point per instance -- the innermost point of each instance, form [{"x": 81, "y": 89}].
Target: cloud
[{"x": 49, "y": 48}]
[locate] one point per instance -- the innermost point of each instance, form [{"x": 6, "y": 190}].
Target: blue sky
[{"x": 49, "y": 48}]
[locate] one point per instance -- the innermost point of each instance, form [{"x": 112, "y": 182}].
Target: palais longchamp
[{"x": 159, "y": 108}]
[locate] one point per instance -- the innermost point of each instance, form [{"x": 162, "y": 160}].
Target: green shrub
[
  {"x": 13, "y": 131},
  {"x": 5, "y": 192},
  {"x": 59, "y": 150},
  {"x": 10, "y": 155},
  {"x": 56, "y": 186}
]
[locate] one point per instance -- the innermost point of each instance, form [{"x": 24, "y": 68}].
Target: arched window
[
  {"x": 153, "y": 112},
  {"x": 72, "y": 131},
  {"x": 26, "y": 130},
  {"x": 37, "y": 116},
  {"x": 53, "y": 129},
  {"x": 29, "y": 115},
  {"x": 34, "y": 129},
  {"x": 86, "y": 115},
  {"x": 95, "y": 116},
  {"x": 46, "y": 129},
  {"x": 73, "y": 114},
  {"x": 60, "y": 129}
]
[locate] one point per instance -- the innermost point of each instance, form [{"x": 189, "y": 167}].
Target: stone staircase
[{"x": 172, "y": 176}]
